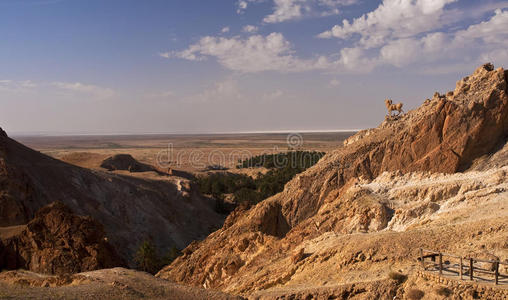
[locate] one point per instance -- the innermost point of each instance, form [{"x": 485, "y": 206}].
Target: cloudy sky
[{"x": 125, "y": 66}]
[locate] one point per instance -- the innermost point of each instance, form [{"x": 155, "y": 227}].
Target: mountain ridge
[{"x": 447, "y": 134}]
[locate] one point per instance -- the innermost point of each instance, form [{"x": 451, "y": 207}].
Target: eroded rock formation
[
  {"x": 445, "y": 135},
  {"x": 58, "y": 242}
]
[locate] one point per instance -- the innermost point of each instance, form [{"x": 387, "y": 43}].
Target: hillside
[
  {"x": 116, "y": 283},
  {"x": 131, "y": 209},
  {"x": 363, "y": 210}
]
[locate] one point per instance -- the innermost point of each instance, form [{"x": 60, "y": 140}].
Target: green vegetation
[
  {"x": 294, "y": 159},
  {"x": 283, "y": 167},
  {"x": 148, "y": 260}
]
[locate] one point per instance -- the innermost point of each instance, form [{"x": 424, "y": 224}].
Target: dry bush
[
  {"x": 400, "y": 278},
  {"x": 443, "y": 291},
  {"x": 415, "y": 294}
]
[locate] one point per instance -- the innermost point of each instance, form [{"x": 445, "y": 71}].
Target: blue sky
[{"x": 121, "y": 66}]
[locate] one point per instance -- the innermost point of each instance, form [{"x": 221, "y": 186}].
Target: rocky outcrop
[
  {"x": 125, "y": 162},
  {"x": 446, "y": 134},
  {"x": 131, "y": 209},
  {"x": 3, "y": 133},
  {"x": 57, "y": 241}
]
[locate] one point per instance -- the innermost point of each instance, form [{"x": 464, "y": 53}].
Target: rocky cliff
[
  {"x": 131, "y": 209},
  {"x": 58, "y": 242},
  {"x": 325, "y": 208}
]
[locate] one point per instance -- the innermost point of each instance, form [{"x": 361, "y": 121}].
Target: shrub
[
  {"x": 172, "y": 254},
  {"x": 400, "y": 278},
  {"x": 442, "y": 291},
  {"x": 415, "y": 294},
  {"x": 147, "y": 259},
  {"x": 215, "y": 168},
  {"x": 293, "y": 159}
]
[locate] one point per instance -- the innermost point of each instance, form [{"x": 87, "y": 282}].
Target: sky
[{"x": 194, "y": 66}]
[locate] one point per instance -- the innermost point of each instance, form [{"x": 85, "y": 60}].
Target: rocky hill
[
  {"x": 131, "y": 209},
  {"x": 364, "y": 209},
  {"x": 125, "y": 162}
]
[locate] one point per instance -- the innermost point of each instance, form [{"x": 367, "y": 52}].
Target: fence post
[
  {"x": 471, "y": 268},
  {"x": 440, "y": 263},
  {"x": 461, "y": 268},
  {"x": 496, "y": 272},
  {"x": 421, "y": 259}
]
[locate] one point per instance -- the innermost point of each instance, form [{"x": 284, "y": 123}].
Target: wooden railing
[{"x": 463, "y": 266}]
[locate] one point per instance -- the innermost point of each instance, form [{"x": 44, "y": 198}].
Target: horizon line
[{"x": 58, "y": 134}]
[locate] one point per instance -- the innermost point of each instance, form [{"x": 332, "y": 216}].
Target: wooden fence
[{"x": 468, "y": 267}]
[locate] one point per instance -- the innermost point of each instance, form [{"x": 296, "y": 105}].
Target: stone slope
[
  {"x": 58, "y": 242},
  {"x": 116, "y": 283},
  {"x": 131, "y": 209},
  {"x": 446, "y": 134}
]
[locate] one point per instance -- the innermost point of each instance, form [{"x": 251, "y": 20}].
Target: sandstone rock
[
  {"x": 232, "y": 264},
  {"x": 444, "y": 135},
  {"x": 298, "y": 256},
  {"x": 58, "y": 242}
]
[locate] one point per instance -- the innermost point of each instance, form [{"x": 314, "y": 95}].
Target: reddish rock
[
  {"x": 58, "y": 242},
  {"x": 298, "y": 256},
  {"x": 445, "y": 134}
]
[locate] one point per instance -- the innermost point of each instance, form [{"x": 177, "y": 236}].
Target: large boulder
[{"x": 57, "y": 241}]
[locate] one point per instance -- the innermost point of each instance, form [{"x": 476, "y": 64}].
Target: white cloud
[
  {"x": 493, "y": 31},
  {"x": 482, "y": 42},
  {"x": 225, "y": 30},
  {"x": 16, "y": 85},
  {"x": 402, "y": 33},
  {"x": 85, "y": 89},
  {"x": 256, "y": 53},
  {"x": 250, "y": 28},
  {"x": 400, "y": 52},
  {"x": 392, "y": 19},
  {"x": 355, "y": 60},
  {"x": 241, "y": 6},
  {"x": 286, "y": 10},
  {"x": 398, "y": 33}
]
